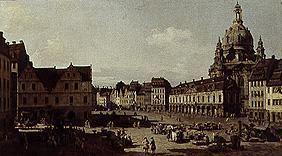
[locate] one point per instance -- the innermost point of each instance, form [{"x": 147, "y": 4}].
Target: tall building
[
  {"x": 19, "y": 61},
  {"x": 160, "y": 89},
  {"x": 6, "y": 118},
  {"x": 235, "y": 56},
  {"x": 265, "y": 91},
  {"x": 49, "y": 92},
  {"x": 274, "y": 94},
  {"x": 260, "y": 76}
]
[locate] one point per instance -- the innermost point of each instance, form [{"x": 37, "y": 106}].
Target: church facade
[{"x": 235, "y": 56}]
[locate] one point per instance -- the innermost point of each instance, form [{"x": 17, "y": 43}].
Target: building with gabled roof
[{"x": 46, "y": 90}]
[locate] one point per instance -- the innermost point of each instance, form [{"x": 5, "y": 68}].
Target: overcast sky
[{"x": 135, "y": 39}]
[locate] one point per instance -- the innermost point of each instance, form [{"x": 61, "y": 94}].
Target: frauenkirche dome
[{"x": 238, "y": 35}]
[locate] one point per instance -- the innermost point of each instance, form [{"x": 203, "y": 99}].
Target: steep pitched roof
[
  {"x": 85, "y": 72},
  {"x": 48, "y": 76},
  {"x": 276, "y": 78},
  {"x": 262, "y": 70}
]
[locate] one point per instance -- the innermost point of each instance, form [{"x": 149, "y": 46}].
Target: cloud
[{"x": 170, "y": 35}]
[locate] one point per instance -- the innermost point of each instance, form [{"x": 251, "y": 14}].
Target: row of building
[
  {"x": 242, "y": 81},
  {"x": 152, "y": 95}
]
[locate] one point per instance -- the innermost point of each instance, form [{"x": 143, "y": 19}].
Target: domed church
[{"x": 235, "y": 55}]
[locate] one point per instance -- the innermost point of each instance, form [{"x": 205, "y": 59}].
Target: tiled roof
[
  {"x": 203, "y": 85},
  {"x": 262, "y": 70},
  {"x": 276, "y": 78},
  {"x": 48, "y": 76},
  {"x": 85, "y": 72},
  {"x": 160, "y": 82}
]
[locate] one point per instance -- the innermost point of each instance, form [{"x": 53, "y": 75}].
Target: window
[
  {"x": 56, "y": 100},
  {"x": 208, "y": 98},
  {"x": 66, "y": 86},
  {"x": 252, "y": 103},
  {"x": 85, "y": 99},
  {"x": 268, "y": 102},
  {"x": 33, "y": 86},
  {"x": 268, "y": 89},
  {"x": 46, "y": 100},
  {"x": 255, "y": 104},
  {"x": 262, "y": 104},
  {"x": 255, "y": 83},
  {"x": 71, "y": 100},
  {"x": 24, "y": 100},
  {"x": 198, "y": 98},
  {"x": 23, "y": 87},
  {"x": 261, "y": 93},
  {"x": 258, "y": 103},
  {"x": 76, "y": 86},
  {"x": 203, "y": 98},
  {"x": 4, "y": 104},
  {"x": 251, "y": 84},
  {"x": 35, "y": 100},
  {"x": 219, "y": 98}
]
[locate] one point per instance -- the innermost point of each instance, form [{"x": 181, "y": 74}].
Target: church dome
[{"x": 238, "y": 35}]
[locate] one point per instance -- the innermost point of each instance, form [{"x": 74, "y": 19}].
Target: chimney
[
  {"x": 7, "y": 43},
  {"x": 202, "y": 78},
  {"x": 1, "y": 33},
  {"x": 193, "y": 80},
  {"x": 185, "y": 82},
  {"x": 14, "y": 42},
  {"x": 21, "y": 41}
]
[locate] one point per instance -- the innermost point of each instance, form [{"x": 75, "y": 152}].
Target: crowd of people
[
  {"x": 125, "y": 138},
  {"x": 206, "y": 126},
  {"x": 173, "y": 133}
]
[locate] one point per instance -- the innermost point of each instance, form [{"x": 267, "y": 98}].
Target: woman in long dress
[{"x": 153, "y": 145}]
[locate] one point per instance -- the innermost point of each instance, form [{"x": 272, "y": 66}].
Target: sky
[{"x": 128, "y": 40}]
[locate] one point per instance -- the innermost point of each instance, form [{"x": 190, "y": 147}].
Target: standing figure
[
  {"x": 145, "y": 145},
  {"x": 153, "y": 145}
]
